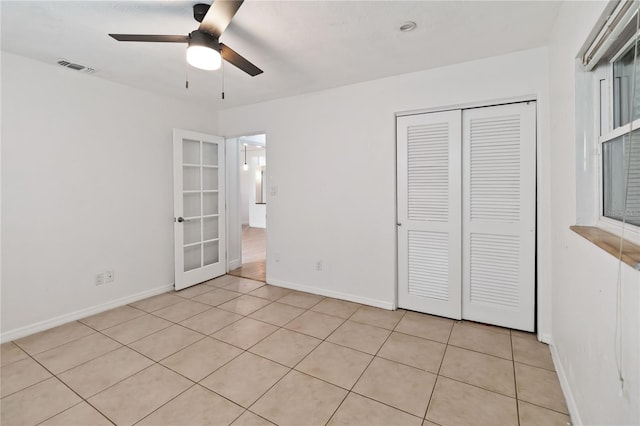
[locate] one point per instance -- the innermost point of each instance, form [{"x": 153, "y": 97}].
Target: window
[
  {"x": 615, "y": 72},
  {"x": 620, "y": 141},
  {"x": 621, "y": 178},
  {"x": 622, "y": 88}
]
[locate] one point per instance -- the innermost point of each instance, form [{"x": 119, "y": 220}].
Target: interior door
[
  {"x": 199, "y": 207},
  {"x": 429, "y": 212},
  {"x": 499, "y": 193}
]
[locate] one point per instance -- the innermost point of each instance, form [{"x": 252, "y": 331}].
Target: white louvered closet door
[
  {"x": 499, "y": 203},
  {"x": 429, "y": 213}
]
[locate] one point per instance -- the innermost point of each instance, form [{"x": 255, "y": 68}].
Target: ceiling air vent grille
[{"x": 76, "y": 67}]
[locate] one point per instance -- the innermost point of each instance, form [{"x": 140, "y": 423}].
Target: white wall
[
  {"x": 584, "y": 276},
  {"x": 253, "y": 214},
  {"x": 245, "y": 188},
  {"x": 335, "y": 187},
  {"x": 258, "y": 216},
  {"x": 234, "y": 221},
  {"x": 86, "y": 186}
]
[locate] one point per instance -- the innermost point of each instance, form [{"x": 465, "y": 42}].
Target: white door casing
[
  {"x": 199, "y": 207},
  {"x": 429, "y": 213},
  {"x": 499, "y": 205}
]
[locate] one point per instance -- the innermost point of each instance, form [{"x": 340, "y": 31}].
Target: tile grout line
[
  {"x": 194, "y": 383},
  {"x": 290, "y": 368},
  {"x": 82, "y": 399},
  {"x": 15, "y": 342},
  {"x": 453, "y": 324},
  {"x": 244, "y": 350},
  {"x": 293, "y": 368},
  {"x": 73, "y": 406},
  {"x": 349, "y": 391},
  {"x": 162, "y": 405},
  {"x": 86, "y": 400},
  {"x": 515, "y": 380},
  {"x": 338, "y": 344},
  {"x": 477, "y": 387},
  {"x": 278, "y": 327},
  {"x": 154, "y": 362},
  {"x": 247, "y": 351}
]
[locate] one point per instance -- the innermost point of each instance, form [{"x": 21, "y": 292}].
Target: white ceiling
[{"x": 302, "y": 46}]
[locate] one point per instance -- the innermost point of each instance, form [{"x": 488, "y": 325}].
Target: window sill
[{"x": 611, "y": 244}]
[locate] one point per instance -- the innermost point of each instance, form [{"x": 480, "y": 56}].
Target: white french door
[
  {"x": 466, "y": 214},
  {"x": 429, "y": 235},
  {"x": 199, "y": 207},
  {"x": 499, "y": 215}
]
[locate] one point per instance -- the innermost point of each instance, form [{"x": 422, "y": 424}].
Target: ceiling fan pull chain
[
  {"x": 223, "y": 80},
  {"x": 186, "y": 76}
]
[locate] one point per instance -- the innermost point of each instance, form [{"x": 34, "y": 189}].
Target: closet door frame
[{"x": 539, "y": 309}]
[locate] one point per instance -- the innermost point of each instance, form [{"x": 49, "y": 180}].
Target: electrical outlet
[
  {"x": 273, "y": 191},
  {"x": 277, "y": 257},
  {"x": 109, "y": 276},
  {"x": 319, "y": 265},
  {"x": 99, "y": 278}
]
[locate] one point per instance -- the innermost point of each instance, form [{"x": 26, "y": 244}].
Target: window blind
[{"x": 609, "y": 38}]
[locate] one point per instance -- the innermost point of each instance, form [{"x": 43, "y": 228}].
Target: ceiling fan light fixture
[
  {"x": 202, "y": 52},
  {"x": 203, "y": 57}
]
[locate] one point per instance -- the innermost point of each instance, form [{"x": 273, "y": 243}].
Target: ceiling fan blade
[
  {"x": 151, "y": 38},
  {"x": 234, "y": 58},
  {"x": 219, "y": 16}
]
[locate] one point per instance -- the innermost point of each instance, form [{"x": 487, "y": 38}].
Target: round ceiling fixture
[
  {"x": 408, "y": 26},
  {"x": 203, "y": 51}
]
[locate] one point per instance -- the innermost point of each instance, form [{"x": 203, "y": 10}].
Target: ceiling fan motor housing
[{"x": 200, "y": 38}]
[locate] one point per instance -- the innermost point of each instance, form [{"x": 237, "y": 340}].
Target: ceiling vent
[{"x": 76, "y": 67}]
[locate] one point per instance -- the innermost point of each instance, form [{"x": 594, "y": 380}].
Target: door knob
[{"x": 180, "y": 219}]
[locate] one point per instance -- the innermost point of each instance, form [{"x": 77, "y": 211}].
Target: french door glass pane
[
  {"x": 192, "y": 231},
  {"x": 211, "y": 253},
  {"x": 191, "y": 178},
  {"x": 191, "y": 204},
  {"x": 210, "y": 153},
  {"x": 210, "y": 201},
  {"x": 192, "y": 257},
  {"x": 210, "y": 228},
  {"x": 190, "y": 152},
  {"x": 210, "y": 178},
  {"x": 618, "y": 156}
]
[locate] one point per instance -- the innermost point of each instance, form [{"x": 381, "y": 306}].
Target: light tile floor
[
  {"x": 254, "y": 254},
  {"x": 236, "y": 351}
]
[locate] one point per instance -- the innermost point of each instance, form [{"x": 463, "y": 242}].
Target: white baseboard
[
  {"x": 335, "y": 294},
  {"x": 566, "y": 389},
  {"x": 27, "y": 330},
  {"x": 545, "y": 338},
  {"x": 234, "y": 264}
]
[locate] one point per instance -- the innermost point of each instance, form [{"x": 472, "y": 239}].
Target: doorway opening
[{"x": 252, "y": 197}]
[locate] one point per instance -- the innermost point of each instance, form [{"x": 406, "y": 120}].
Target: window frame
[{"x": 605, "y": 133}]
